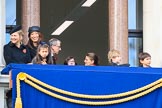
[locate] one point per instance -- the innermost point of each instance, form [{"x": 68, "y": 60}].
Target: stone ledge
[{"x": 4, "y": 79}]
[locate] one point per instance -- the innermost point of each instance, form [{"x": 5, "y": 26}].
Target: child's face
[
  {"x": 43, "y": 52},
  {"x": 146, "y": 62},
  {"x": 71, "y": 62},
  {"x": 116, "y": 59}
]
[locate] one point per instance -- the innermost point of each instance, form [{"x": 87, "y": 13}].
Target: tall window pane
[
  {"x": 131, "y": 14},
  {"x": 135, "y": 36},
  {"x": 10, "y": 16}
]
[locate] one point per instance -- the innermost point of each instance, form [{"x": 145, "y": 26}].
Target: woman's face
[
  {"x": 71, "y": 62},
  {"x": 15, "y": 38},
  {"x": 34, "y": 36},
  {"x": 88, "y": 61}
]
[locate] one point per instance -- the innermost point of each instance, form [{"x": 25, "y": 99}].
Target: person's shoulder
[
  {"x": 120, "y": 65},
  {"x": 27, "y": 46},
  {"x": 34, "y": 60},
  {"x": 10, "y": 44},
  {"x": 7, "y": 46},
  {"x": 112, "y": 64},
  {"x": 125, "y": 65}
]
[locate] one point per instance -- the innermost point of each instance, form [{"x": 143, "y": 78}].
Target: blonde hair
[
  {"x": 112, "y": 54},
  {"x": 21, "y": 33}
]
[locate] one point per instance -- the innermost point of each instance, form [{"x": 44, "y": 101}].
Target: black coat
[
  {"x": 54, "y": 58},
  {"x": 122, "y": 65},
  {"x": 13, "y": 54},
  {"x": 32, "y": 51}
]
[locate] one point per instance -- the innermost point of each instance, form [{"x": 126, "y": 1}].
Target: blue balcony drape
[{"x": 92, "y": 80}]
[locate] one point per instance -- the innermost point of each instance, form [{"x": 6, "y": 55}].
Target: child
[
  {"x": 70, "y": 61},
  {"x": 43, "y": 55},
  {"x": 114, "y": 57},
  {"x": 145, "y": 59}
]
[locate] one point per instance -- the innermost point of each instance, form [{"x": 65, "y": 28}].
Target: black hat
[
  {"x": 15, "y": 29},
  {"x": 34, "y": 28}
]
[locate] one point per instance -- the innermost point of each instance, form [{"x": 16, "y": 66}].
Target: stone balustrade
[{"x": 4, "y": 86}]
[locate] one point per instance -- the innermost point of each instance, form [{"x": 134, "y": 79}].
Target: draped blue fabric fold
[{"x": 92, "y": 80}]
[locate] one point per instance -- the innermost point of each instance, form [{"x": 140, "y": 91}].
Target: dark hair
[
  {"x": 69, "y": 58},
  {"x": 38, "y": 58},
  {"x": 94, "y": 57},
  {"x": 143, "y": 55},
  {"x": 30, "y": 42}
]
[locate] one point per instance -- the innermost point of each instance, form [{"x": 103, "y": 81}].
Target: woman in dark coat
[
  {"x": 35, "y": 38},
  {"x": 15, "y": 51}
]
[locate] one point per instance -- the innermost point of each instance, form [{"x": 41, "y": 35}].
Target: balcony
[{"x": 4, "y": 86}]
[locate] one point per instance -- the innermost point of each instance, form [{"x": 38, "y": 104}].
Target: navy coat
[{"x": 13, "y": 54}]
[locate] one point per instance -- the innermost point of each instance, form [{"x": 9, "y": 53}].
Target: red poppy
[{"x": 24, "y": 50}]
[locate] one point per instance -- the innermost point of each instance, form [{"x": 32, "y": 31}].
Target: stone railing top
[{"x": 4, "y": 79}]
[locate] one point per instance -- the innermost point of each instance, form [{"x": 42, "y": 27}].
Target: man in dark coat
[{"x": 55, "y": 46}]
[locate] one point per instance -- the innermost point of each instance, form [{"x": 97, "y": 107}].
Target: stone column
[
  {"x": 152, "y": 30},
  {"x": 2, "y": 31},
  {"x": 30, "y": 15},
  {"x": 118, "y": 27}
]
